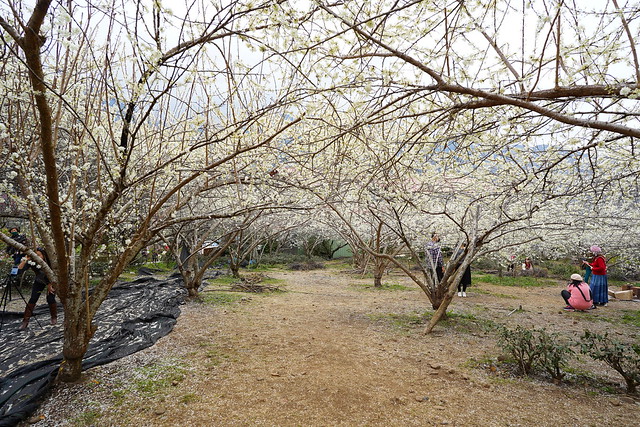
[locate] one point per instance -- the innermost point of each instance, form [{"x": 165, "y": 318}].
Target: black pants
[
  {"x": 566, "y": 295},
  {"x": 37, "y": 289}
]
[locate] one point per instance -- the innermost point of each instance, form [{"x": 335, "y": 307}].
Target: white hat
[{"x": 576, "y": 276}]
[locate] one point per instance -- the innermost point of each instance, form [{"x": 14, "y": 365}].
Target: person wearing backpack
[{"x": 577, "y": 296}]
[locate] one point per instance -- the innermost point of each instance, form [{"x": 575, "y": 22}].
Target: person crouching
[{"x": 577, "y": 296}]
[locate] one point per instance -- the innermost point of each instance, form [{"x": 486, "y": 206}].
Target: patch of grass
[
  {"x": 271, "y": 281},
  {"x": 503, "y": 380},
  {"x": 153, "y": 378},
  {"x": 631, "y": 317},
  {"x": 120, "y": 396},
  {"x": 522, "y": 281},
  {"x": 189, "y": 398},
  {"x": 220, "y": 298},
  {"x": 214, "y": 355},
  {"x": 87, "y": 418},
  {"x": 493, "y": 294},
  {"x": 127, "y": 276},
  {"x": 403, "y": 322},
  {"x": 223, "y": 280},
  {"x": 384, "y": 287},
  {"x": 395, "y": 287},
  {"x": 479, "y": 363},
  {"x": 468, "y": 322}
]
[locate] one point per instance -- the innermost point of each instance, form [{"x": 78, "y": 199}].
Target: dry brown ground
[{"x": 331, "y": 352}]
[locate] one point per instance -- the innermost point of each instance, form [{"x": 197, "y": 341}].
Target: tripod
[{"x": 11, "y": 281}]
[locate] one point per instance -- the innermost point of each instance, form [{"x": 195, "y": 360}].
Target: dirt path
[{"x": 329, "y": 353}]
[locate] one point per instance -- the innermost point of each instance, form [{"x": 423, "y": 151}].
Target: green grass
[
  {"x": 272, "y": 281},
  {"x": 223, "y": 280},
  {"x": 631, "y": 317},
  {"x": 87, "y": 418},
  {"x": 384, "y": 287},
  {"x": 467, "y": 322},
  {"x": 461, "y": 321},
  {"x": 523, "y": 281},
  {"x": 154, "y": 378},
  {"x": 404, "y": 322},
  {"x": 213, "y": 354},
  {"x": 493, "y": 294},
  {"x": 220, "y": 298},
  {"x": 189, "y": 398}
]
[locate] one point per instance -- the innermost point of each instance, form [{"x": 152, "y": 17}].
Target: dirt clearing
[{"x": 332, "y": 351}]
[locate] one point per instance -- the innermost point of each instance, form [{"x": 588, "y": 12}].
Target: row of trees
[{"x": 125, "y": 123}]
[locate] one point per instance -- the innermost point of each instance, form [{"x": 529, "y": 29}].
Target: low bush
[
  {"x": 535, "y": 350},
  {"x": 554, "y": 354},
  {"x": 520, "y": 344},
  {"x": 623, "y": 358}
]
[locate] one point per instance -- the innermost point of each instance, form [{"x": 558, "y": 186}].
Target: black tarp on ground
[{"x": 133, "y": 317}]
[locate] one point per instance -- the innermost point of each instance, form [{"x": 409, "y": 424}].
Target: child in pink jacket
[{"x": 577, "y": 295}]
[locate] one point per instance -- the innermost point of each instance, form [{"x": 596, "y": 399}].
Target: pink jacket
[{"x": 577, "y": 300}]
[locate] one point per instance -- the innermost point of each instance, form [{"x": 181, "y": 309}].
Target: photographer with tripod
[{"x": 40, "y": 282}]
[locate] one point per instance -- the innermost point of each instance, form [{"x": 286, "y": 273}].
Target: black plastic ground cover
[{"x": 133, "y": 317}]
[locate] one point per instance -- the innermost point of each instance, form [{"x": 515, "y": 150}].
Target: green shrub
[
  {"x": 623, "y": 358},
  {"x": 554, "y": 354},
  {"x": 520, "y": 343},
  {"x": 536, "y": 349}
]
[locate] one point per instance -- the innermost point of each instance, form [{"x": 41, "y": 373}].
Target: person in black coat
[
  {"x": 466, "y": 277},
  {"x": 40, "y": 282}
]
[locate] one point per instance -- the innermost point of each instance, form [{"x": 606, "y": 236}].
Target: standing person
[
  {"x": 599, "y": 284},
  {"x": 13, "y": 252},
  {"x": 434, "y": 260},
  {"x": 587, "y": 268},
  {"x": 511, "y": 264},
  {"x": 466, "y": 276},
  {"x": 40, "y": 282},
  {"x": 577, "y": 296}
]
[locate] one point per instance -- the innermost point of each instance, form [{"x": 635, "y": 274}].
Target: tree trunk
[
  {"x": 235, "y": 269},
  {"x": 440, "y": 313},
  {"x": 192, "y": 289},
  {"x": 444, "y": 297},
  {"x": 77, "y": 334},
  {"x": 438, "y": 296},
  {"x": 377, "y": 280},
  {"x": 192, "y": 282}
]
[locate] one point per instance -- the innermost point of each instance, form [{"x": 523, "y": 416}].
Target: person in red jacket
[
  {"x": 599, "y": 284},
  {"x": 577, "y": 295}
]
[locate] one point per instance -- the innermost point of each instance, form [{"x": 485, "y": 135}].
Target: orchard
[{"x": 506, "y": 128}]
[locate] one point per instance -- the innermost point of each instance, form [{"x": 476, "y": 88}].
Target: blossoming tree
[{"x": 115, "y": 127}]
